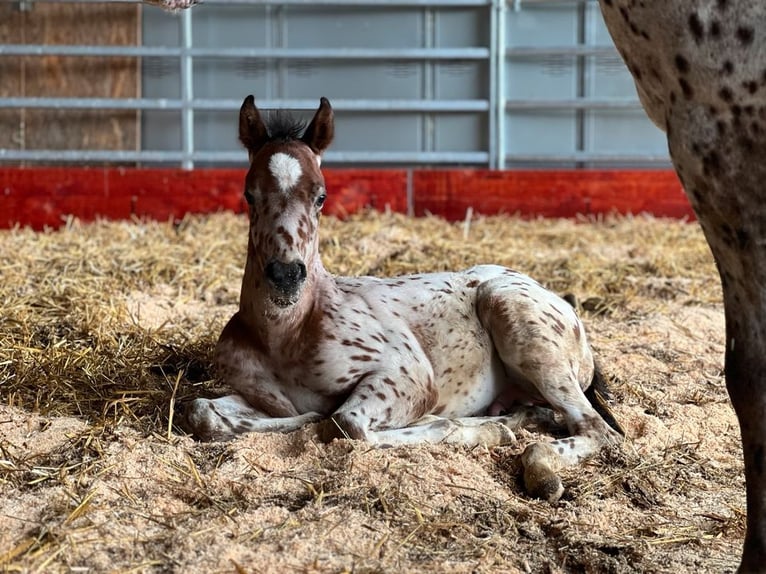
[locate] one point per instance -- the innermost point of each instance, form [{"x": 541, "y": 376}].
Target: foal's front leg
[{"x": 226, "y": 417}]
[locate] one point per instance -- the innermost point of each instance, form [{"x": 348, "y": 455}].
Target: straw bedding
[{"x": 105, "y": 326}]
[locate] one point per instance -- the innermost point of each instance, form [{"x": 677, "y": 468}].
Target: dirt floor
[{"x": 104, "y": 326}]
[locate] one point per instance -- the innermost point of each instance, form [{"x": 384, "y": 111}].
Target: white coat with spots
[
  {"x": 460, "y": 358},
  {"x": 700, "y": 70}
]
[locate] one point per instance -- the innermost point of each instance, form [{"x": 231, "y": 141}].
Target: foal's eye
[
  {"x": 319, "y": 202},
  {"x": 249, "y": 197}
]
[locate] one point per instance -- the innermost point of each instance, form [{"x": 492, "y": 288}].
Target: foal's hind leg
[
  {"x": 388, "y": 407},
  {"x": 466, "y": 431},
  {"x": 542, "y": 343}
]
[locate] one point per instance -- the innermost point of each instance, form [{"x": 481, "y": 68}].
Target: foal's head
[{"x": 285, "y": 190}]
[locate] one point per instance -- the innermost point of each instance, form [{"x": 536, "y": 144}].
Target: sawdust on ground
[{"x": 105, "y": 325}]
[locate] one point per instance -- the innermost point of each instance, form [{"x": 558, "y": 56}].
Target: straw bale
[{"x": 104, "y": 325}]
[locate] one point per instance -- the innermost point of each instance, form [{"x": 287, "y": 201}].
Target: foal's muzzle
[{"x": 286, "y": 279}]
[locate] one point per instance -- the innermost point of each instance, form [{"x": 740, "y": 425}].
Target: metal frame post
[
  {"x": 492, "y": 96},
  {"x": 500, "y": 11},
  {"x": 187, "y": 91}
]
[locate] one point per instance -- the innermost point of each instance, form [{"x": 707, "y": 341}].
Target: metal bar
[
  {"x": 373, "y": 157},
  {"x": 494, "y": 54},
  {"x": 230, "y": 104},
  {"x": 365, "y": 3},
  {"x": 544, "y": 3},
  {"x": 239, "y": 157},
  {"x": 588, "y": 157},
  {"x": 574, "y": 104},
  {"x": 270, "y": 88},
  {"x": 273, "y": 53},
  {"x": 501, "y": 100},
  {"x": 576, "y": 50},
  {"x": 428, "y": 88},
  {"x": 580, "y": 74},
  {"x": 89, "y": 103},
  {"x": 187, "y": 92},
  {"x": 280, "y": 28}
]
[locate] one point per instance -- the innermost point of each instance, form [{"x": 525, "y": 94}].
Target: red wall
[{"x": 40, "y": 197}]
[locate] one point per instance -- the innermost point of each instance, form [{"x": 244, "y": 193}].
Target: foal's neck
[{"x": 276, "y": 327}]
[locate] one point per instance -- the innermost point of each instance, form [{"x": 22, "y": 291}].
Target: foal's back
[{"x": 450, "y": 315}]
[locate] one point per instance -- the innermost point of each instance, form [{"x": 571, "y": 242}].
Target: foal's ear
[
  {"x": 319, "y": 134},
  {"x": 252, "y": 131}
]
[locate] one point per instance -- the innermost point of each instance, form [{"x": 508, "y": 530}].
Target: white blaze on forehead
[{"x": 286, "y": 170}]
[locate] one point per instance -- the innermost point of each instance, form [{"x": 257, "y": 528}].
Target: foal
[{"x": 419, "y": 358}]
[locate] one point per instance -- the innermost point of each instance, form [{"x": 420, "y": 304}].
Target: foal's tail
[{"x": 598, "y": 395}]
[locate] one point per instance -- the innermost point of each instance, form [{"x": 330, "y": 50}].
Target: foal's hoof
[
  {"x": 199, "y": 419},
  {"x": 339, "y": 425},
  {"x": 540, "y": 478},
  {"x": 184, "y": 417},
  {"x": 497, "y": 434}
]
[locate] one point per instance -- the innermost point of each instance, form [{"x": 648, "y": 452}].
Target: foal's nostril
[
  {"x": 286, "y": 276},
  {"x": 301, "y": 271}
]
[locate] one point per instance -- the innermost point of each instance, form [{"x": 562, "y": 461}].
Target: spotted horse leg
[
  {"x": 699, "y": 67},
  {"x": 714, "y": 164},
  {"x": 226, "y": 417},
  {"x": 386, "y": 410},
  {"x": 542, "y": 343}
]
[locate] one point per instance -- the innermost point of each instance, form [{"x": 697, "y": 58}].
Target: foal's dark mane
[{"x": 283, "y": 126}]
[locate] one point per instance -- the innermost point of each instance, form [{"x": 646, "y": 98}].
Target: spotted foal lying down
[{"x": 458, "y": 357}]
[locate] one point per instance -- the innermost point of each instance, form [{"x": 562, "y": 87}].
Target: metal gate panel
[
  {"x": 578, "y": 104},
  {"x": 390, "y": 97},
  {"x": 531, "y": 132},
  {"x": 341, "y": 27},
  {"x": 460, "y": 80},
  {"x": 619, "y": 129},
  {"x": 414, "y": 82}
]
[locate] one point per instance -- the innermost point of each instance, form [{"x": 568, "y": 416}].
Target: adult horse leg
[
  {"x": 699, "y": 70},
  {"x": 746, "y": 383},
  {"x": 724, "y": 177}
]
